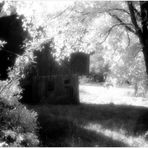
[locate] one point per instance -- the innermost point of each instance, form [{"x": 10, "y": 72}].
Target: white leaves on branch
[
  {"x": 82, "y": 26},
  {"x": 2, "y": 43}
]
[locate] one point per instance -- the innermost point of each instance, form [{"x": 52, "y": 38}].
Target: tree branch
[
  {"x": 133, "y": 19},
  {"x": 137, "y": 12},
  {"x": 124, "y": 24},
  {"x": 128, "y": 44},
  {"x": 62, "y": 12},
  {"x": 13, "y": 53},
  {"x": 118, "y": 9},
  {"x": 105, "y": 11},
  {"x": 109, "y": 31}
]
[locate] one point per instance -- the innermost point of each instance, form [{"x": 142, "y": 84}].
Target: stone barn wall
[
  {"x": 56, "y": 89},
  {"x": 54, "y": 83}
]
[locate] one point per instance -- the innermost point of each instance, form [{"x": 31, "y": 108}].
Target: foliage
[
  {"x": 18, "y": 124},
  {"x": 76, "y": 28},
  {"x": 99, "y": 69}
]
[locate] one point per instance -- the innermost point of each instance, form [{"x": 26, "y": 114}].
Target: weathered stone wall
[
  {"x": 54, "y": 83},
  {"x": 56, "y": 89}
]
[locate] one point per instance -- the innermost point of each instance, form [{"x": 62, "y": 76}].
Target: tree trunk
[
  {"x": 144, "y": 37},
  {"x": 145, "y": 53}
]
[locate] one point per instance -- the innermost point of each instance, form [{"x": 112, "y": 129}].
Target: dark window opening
[
  {"x": 67, "y": 81},
  {"x": 50, "y": 86}
]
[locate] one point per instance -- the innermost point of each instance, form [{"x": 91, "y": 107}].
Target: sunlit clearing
[
  {"x": 107, "y": 95},
  {"x": 119, "y": 135}
]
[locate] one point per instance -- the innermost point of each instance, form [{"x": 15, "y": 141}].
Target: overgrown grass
[{"x": 91, "y": 124}]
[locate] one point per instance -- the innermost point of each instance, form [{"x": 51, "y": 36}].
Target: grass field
[
  {"x": 117, "y": 95},
  {"x": 105, "y": 117}
]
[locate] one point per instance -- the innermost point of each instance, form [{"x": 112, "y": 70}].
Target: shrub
[{"x": 18, "y": 124}]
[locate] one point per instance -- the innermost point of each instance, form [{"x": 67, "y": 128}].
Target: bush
[{"x": 18, "y": 124}]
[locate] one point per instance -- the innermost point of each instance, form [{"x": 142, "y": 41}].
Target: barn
[{"x": 54, "y": 83}]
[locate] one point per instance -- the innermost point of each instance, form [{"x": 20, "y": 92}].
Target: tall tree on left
[{"x": 11, "y": 31}]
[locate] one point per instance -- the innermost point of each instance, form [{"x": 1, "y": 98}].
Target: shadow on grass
[
  {"x": 57, "y": 132},
  {"x": 133, "y": 119},
  {"x": 62, "y": 125}
]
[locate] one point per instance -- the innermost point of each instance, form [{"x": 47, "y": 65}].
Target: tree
[
  {"x": 142, "y": 33},
  {"x": 127, "y": 17},
  {"x": 18, "y": 124},
  {"x": 13, "y": 34},
  {"x": 79, "y": 27},
  {"x": 133, "y": 17}
]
